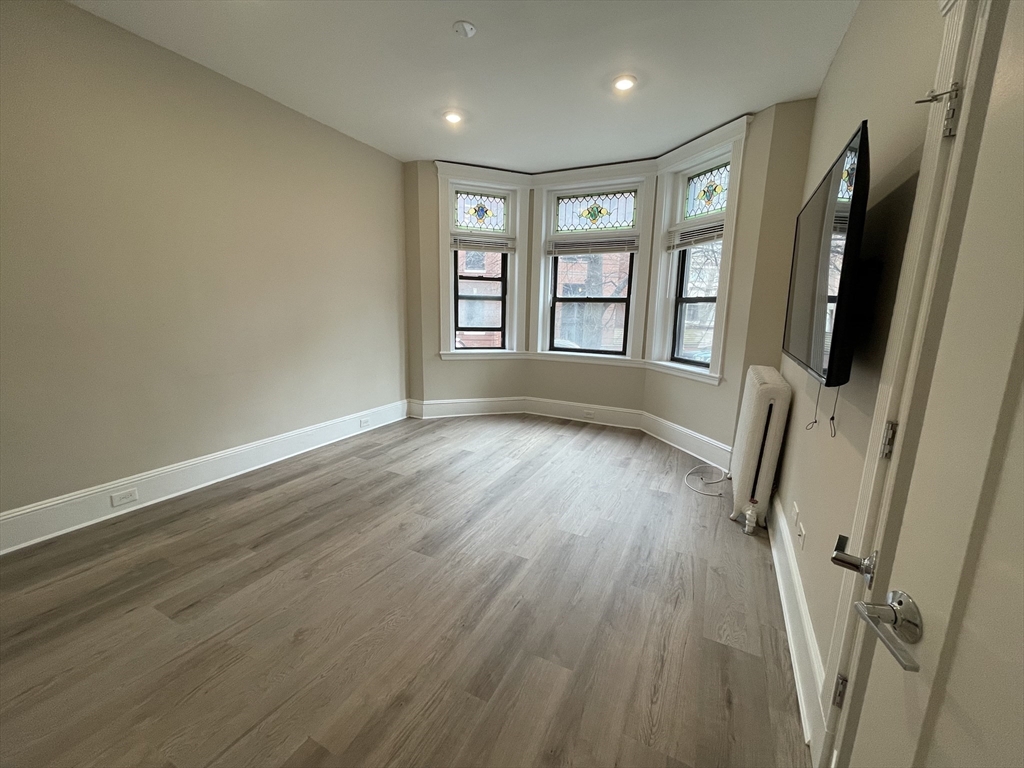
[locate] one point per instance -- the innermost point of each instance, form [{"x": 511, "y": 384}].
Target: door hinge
[
  {"x": 951, "y": 118},
  {"x": 839, "y": 692},
  {"x": 889, "y": 439}
]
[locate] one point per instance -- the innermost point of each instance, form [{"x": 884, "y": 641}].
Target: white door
[{"x": 953, "y": 538}]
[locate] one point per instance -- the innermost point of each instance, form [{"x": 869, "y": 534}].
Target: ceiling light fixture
[
  {"x": 624, "y": 82},
  {"x": 452, "y": 116}
]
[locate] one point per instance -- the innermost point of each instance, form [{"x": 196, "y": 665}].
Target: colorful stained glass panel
[
  {"x": 707, "y": 192},
  {"x": 480, "y": 212},
  {"x": 849, "y": 175},
  {"x": 584, "y": 213}
]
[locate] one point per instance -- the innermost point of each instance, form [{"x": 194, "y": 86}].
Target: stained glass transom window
[
  {"x": 480, "y": 212},
  {"x": 583, "y": 213},
  {"x": 849, "y": 176},
  {"x": 707, "y": 192}
]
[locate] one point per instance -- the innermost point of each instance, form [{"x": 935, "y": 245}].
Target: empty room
[{"x": 425, "y": 383}]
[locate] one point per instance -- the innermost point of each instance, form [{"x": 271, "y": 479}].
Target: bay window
[
  {"x": 695, "y": 220},
  {"x": 483, "y": 271}
]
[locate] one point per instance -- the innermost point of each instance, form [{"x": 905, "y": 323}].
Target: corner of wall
[
  {"x": 413, "y": 282},
  {"x": 783, "y": 197}
]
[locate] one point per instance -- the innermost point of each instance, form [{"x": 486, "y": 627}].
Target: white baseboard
[
  {"x": 53, "y": 517},
  {"x": 46, "y": 519},
  {"x": 703, "y": 447},
  {"x": 691, "y": 442},
  {"x": 803, "y": 646},
  {"x": 477, "y": 406}
]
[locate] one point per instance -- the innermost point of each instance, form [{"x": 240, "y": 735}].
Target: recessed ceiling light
[
  {"x": 624, "y": 82},
  {"x": 452, "y": 116}
]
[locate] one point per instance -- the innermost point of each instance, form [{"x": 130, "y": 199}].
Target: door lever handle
[
  {"x": 896, "y": 621},
  {"x": 865, "y": 566}
]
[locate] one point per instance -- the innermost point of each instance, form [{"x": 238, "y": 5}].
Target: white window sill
[
  {"x": 588, "y": 357},
  {"x": 556, "y": 356},
  {"x": 686, "y": 371},
  {"x": 675, "y": 369},
  {"x": 484, "y": 354}
]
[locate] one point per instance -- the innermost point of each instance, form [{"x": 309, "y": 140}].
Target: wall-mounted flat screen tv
[{"x": 825, "y": 283}]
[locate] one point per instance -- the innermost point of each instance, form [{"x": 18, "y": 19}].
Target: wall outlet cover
[
  {"x": 121, "y": 498},
  {"x": 364, "y": 423},
  {"x": 588, "y": 413}
]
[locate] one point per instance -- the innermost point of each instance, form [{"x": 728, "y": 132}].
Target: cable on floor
[{"x": 706, "y": 482}]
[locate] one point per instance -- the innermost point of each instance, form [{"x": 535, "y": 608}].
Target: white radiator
[{"x": 758, "y": 441}]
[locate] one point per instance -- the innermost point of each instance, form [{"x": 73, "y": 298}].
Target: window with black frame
[
  {"x": 590, "y": 302},
  {"x": 696, "y": 298},
  {"x": 481, "y": 288}
]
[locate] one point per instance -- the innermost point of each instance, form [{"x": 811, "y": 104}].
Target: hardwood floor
[{"x": 500, "y": 591}]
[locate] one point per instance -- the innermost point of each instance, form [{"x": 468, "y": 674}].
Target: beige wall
[
  {"x": 414, "y": 298},
  {"x": 185, "y": 265},
  {"x": 441, "y": 379},
  {"x": 776, "y": 141},
  {"x": 886, "y": 60},
  {"x": 784, "y": 179}
]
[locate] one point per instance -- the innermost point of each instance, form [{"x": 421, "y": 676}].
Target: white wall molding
[
  {"x": 474, "y": 406},
  {"x": 691, "y": 442},
  {"x": 803, "y": 646},
  {"x": 627, "y": 418},
  {"x": 45, "y": 519}
]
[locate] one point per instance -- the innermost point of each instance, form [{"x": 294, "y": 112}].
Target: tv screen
[{"x": 824, "y": 282}]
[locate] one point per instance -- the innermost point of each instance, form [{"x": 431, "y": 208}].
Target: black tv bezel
[{"x": 850, "y": 278}]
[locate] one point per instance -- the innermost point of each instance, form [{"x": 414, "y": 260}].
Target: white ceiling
[{"x": 535, "y": 81}]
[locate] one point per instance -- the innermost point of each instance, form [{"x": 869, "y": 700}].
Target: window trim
[
  {"x": 503, "y": 297},
  {"x": 681, "y": 302},
  {"x": 452, "y": 177},
  {"x": 555, "y": 299},
  {"x": 639, "y": 176},
  {"x": 724, "y": 145}
]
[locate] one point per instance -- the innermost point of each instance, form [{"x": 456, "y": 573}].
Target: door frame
[{"x": 971, "y": 39}]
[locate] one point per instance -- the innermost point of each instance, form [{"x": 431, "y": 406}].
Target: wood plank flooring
[{"x": 491, "y": 591}]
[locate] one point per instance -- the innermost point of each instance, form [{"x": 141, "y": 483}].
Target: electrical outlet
[
  {"x": 364, "y": 423},
  {"x": 121, "y": 498},
  {"x": 801, "y": 534},
  {"x": 588, "y": 413}
]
